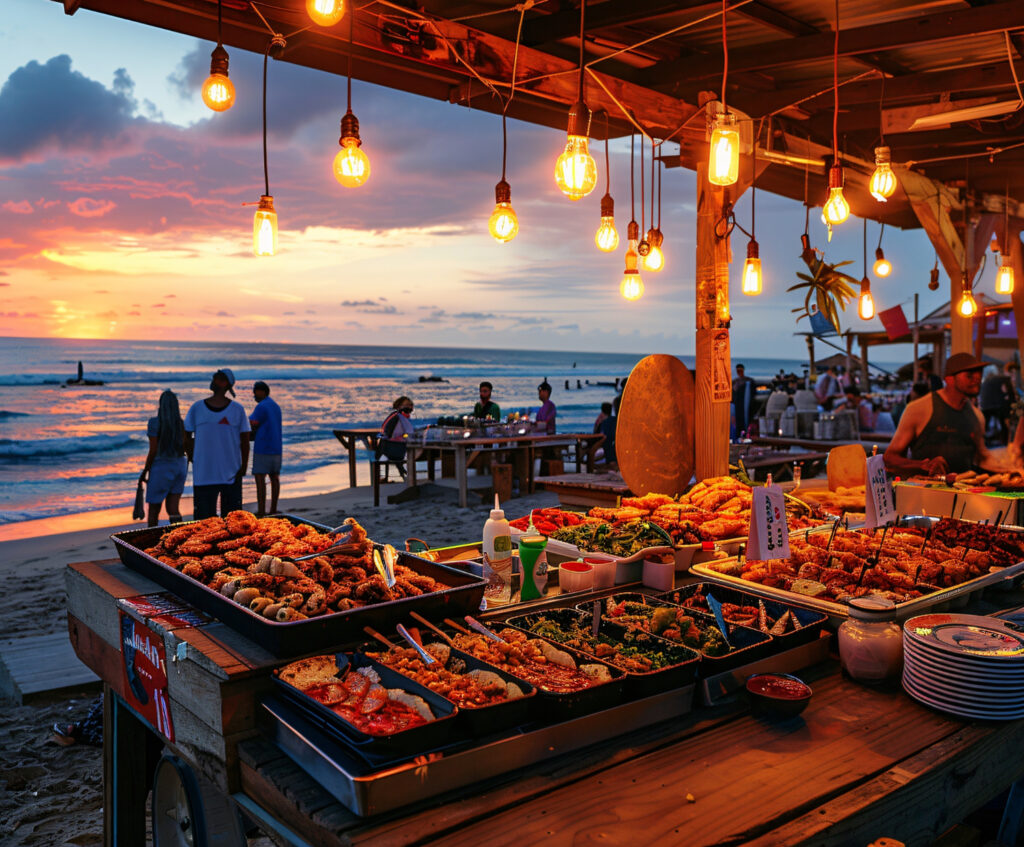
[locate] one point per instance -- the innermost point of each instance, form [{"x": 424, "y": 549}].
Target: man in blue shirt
[{"x": 267, "y": 448}]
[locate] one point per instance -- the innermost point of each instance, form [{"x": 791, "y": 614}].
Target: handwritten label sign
[
  {"x": 769, "y": 535},
  {"x": 880, "y": 502},
  {"x": 145, "y": 674}
]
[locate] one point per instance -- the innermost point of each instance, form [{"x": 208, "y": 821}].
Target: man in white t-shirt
[{"x": 217, "y": 444}]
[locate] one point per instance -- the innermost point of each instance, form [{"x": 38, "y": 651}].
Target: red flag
[{"x": 895, "y": 322}]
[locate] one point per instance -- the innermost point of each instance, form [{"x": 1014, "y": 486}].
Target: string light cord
[
  {"x": 881, "y": 231},
  {"x": 266, "y": 171},
  {"x": 607, "y": 160},
  {"x": 632, "y": 167},
  {"x": 835, "y": 91},
  {"x": 725, "y": 54}
]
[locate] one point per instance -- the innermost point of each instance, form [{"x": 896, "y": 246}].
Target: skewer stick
[
  {"x": 868, "y": 561},
  {"x": 832, "y": 536},
  {"x": 457, "y": 626},
  {"x": 369, "y": 630},
  {"x": 429, "y": 625}
]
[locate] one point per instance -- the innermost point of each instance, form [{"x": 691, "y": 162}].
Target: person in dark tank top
[{"x": 943, "y": 432}]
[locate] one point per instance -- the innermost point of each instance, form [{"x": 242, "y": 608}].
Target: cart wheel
[{"x": 187, "y": 811}]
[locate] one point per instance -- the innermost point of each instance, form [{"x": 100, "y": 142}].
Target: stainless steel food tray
[{"x": 952, "y": 597}]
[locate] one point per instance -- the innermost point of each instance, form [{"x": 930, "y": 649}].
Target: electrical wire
[
  {"x": 835, "y": 91},
  {"x": 880, "y": 233},
  {"x": 643, "y": 228},
  {"x": 583, "y": 9},
  {"x": 607, "y": 161},
  {"x": 632, "y": 167},
  {"x": 266, "y": 171},
  {"x": 219, "y": 40},
  {"x": 725, "y": 54},
  {"x": 652, "y": 184},
  {"x": 351, "y": 44}
]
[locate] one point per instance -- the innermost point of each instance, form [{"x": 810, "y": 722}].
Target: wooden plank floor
[{"x": 41, "y": 666}]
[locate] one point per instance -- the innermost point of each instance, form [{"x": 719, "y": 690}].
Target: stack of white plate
[{"x": 967, "y": 665}]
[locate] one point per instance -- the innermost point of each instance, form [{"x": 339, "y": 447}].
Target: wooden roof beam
[
  {"x": 858, "y": 40},
  {"x": 543, "y": 29}
]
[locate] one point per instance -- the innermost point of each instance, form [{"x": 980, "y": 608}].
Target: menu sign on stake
[
  {"x": 880, "y": 503},
  {"x": 144, "y": 669},
  {"x": 769, "y": 536}
]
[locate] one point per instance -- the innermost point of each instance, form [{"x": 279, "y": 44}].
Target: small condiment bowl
[
  {"x": 778, "y": 695},
  {"x": 575, "y": 576}
]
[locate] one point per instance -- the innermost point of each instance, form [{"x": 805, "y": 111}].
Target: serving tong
[
  {"x": 343, "y": 545},
  {"x": 483, "y": 630}
]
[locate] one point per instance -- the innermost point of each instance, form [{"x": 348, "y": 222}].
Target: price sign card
[
  {"x": 880, "y": 502},
  {"x": 769, "y": 535}
]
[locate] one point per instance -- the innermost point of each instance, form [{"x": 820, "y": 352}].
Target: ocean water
[{"x": 68, "y": 449}]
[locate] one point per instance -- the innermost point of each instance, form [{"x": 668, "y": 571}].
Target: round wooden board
[{"x": 654, "y": 436}]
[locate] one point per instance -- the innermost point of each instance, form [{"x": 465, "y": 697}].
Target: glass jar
[{"x": 871, "y": 642}]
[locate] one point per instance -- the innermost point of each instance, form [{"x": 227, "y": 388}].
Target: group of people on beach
[{"x": 215, "y": 437}]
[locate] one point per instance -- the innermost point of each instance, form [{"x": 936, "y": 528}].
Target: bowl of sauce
[{"x": 778, "y": 695}]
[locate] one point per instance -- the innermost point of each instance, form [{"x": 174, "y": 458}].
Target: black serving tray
[
  {"x": 555, "y": 705},
  {"x": 748, "y": 644},
  {"x": 638, "y": 683},
  {"x": 482, "y": 720},
  {"x": 811, "y": 622},
  {"x": 409, "y": 742},
  {"x": 296, "y": 638}
]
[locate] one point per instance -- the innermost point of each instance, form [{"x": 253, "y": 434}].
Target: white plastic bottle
[{"x": 497, "y": 546}]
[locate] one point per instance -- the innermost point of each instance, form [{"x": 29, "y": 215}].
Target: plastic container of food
[
  {"x": 778, "y": 695},
  {"x": 604, "y": 570},
  {"x": 870, "y": 641}
]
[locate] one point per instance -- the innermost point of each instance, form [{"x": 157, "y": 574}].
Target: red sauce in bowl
[
  {"x": 780, "y": 687},
  {"x": 576, "y": 567}
]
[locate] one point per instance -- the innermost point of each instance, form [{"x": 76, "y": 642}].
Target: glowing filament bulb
[
  {"x": 576, "y": 170},
  {"x": 724, "y": 160},
  {"x": 655, "y": 258},
  {"x": 752, "y": 280},
  {"x": 607, "y": 236},
  {"x": 882, "y": 266},
  {"x": 264, "y": 228},
  {"x": 218, "y": 91},
  {"x": 1004, "y": 279},
  {"x": 503, "y": 223},
  {"x": 883, "y": 180},
  {"x": 968, "y": 306},
  {"x": 631, "y": 287},
  {"x": 325, "y": 12},
  {"x": 865, "y": 303},
  {"x": 836, "y": 208},
  {"x": 351, "y": 164}
]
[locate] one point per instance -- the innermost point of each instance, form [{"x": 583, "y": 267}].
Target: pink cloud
[
  {"x": 22, "y": 207},
  {"x": 86, "y": 207}
]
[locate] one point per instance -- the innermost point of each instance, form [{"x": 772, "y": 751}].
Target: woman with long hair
[{"x": 166, "y": 465}]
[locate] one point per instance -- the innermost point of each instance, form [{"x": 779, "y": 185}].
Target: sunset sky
[{"x": 121, "y": 215}]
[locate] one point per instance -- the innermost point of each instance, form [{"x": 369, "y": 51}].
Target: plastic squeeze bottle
[
  {"x": 497, "y": 545},
  {"x": 534, "y": 560}
]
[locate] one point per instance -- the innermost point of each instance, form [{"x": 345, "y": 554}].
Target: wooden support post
[
  {"x": 865, "y": 377},
  {"x": 713, "y": 375},
  {"x": 1015, "y": 254},
  {"x": 849, "y": 354},
  {"x": 812, "y": 373}
]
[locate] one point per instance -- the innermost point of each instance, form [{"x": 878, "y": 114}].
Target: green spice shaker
[{"x": 534, "y": 561}]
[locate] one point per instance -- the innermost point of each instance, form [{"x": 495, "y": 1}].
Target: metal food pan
[
  {"x": 408, "y": 742},
  {"x": 639, "y": 684},
  {"x": 573, "y": 704},
  {"x": 748, "y": 644},
  {"x": 483, "y": 720},
  {"x": 811, "y": 621},
  {"x": 940, "y": 600},
  {"x": 295, "y": 638}
]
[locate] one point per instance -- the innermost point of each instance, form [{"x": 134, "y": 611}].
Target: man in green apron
[{"x": 942, "y": 432}]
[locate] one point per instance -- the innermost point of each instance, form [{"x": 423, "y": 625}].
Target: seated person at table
[
  {"x": 487, "y": 408},
  {"x": 606, "y": 412},
  {"x": 395, "y": 432},
  {"x": 860, "y": 405},
  {"x": 545, "y": 422},
  {"x": 943, "y": 431}
]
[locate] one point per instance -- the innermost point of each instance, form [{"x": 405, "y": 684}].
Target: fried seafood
[{"x": 247, "y": 559}]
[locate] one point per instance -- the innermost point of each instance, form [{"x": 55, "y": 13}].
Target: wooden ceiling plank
[
  {"x": 866, "y": 39},
  {"x": 543, "y": 29}
]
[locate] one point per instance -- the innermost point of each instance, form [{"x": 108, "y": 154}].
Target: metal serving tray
[
  {"x": 303, "y": 637},
  {"x": 946, "y": 598},
  {"x": 639, "y": 684}
]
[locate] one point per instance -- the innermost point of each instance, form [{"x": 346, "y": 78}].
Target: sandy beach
[{"x": 53, "y": 795}]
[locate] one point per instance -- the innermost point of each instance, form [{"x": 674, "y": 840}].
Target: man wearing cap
[
  {"x": 217, "y": 444},
  {"x": 943, "y": 431},
  {"x": 266, "y": 446}
]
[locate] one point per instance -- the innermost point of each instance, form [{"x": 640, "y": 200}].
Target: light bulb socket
[
  {"x": 933, "y": 277},
  {"x": 752, "y": 250},
  {"x": 835, "y": 176},
  {"x": 277, "y": 45},
  {"x": 266, "y": 203},
  {"x": 879, "y": 255},
  {"x": 579, "y": 119},
  {"x": 219, "y": 60},
  {"x": 607, "y": 206},
  {"x": 633, "y": 231},
  {"x": 503, "y": 192},
  {"x": 644, "y": 247},
  {"x": 806, "y": 251},
  {"x": 883, "y": 156},
  {"x": 655, "y": 238},
  {"x": 865, "y": 286},
  {"x": 349, "y": 129}
]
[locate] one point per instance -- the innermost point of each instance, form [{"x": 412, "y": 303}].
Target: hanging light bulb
[
  {"x": 503, "y": 224},
  {"x": 576, "y": 170},
  {"x": 968, "y": 306},
  {"x": 264, "y": 228},
  {"x": 351, "y": 164},
  {"x": 882, "y": 266},
  {"x": 632, "y": 286},
  {"x": 607, "y": 236},
  {"x": 883, "y": 180},
  {"x": 218, "y": 91},
  {"x": 1004, "y": 278},
  {"x": 724, "y": 161},
  {"x": 655, "y": 258},
  {"x": 933, "y": 279},
  {"x": 752, "y": 278},
  {"x": 836, "y": 208},
  {"x": 865, "y": 303},
  {"x": 325, "y": 12}
]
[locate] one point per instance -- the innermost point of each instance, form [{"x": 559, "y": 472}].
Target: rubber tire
[{"x": 187, "y": 811}]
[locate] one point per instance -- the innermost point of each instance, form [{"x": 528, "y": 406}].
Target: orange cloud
[
  {"x": 86, "y": 207},
  {"x": 22, "y": 207}
]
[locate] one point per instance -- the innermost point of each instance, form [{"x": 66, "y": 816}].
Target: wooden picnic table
[
  {"x": 867, "y": 441},
  {"x": 348, "y": 439},
  {"x": 859, "y": 764},
  {"x": 586, "y": 489}
]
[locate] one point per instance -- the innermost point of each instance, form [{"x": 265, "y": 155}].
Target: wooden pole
[
  {"x": 713, "y": 377},
  {"x": 1015, "y": 253},
  {"x": 812, "y": 373}
]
